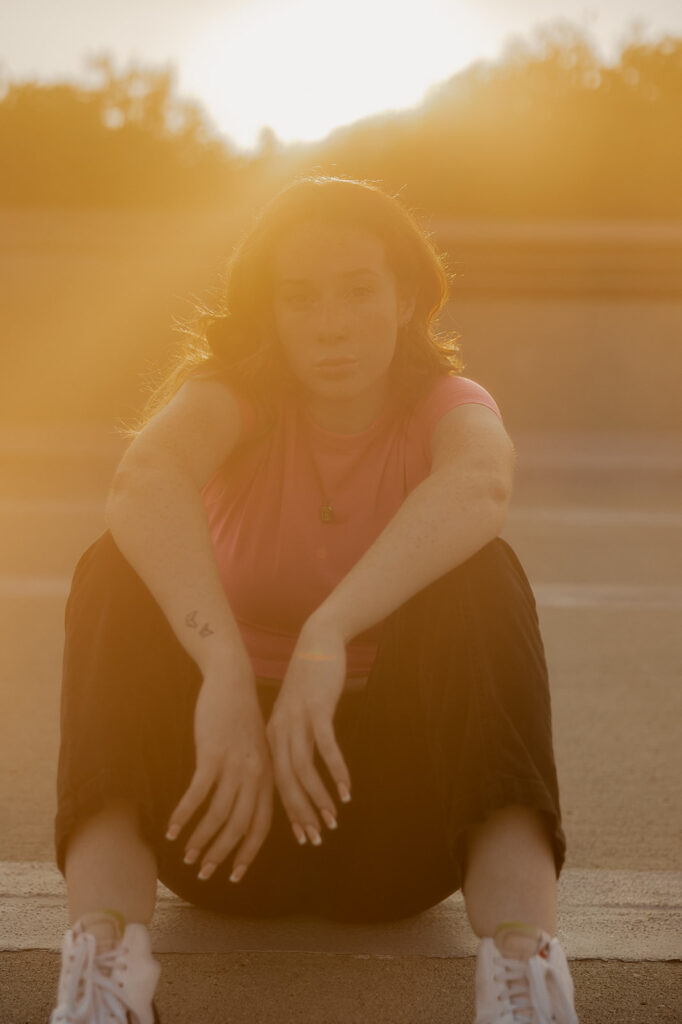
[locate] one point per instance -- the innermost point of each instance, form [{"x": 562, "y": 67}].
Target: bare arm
[
  {"x": 156, "y": 516},
  {"x": 447, "y": 518}
]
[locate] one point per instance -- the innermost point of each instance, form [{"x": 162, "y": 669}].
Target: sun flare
[{"x": 306, "y": 67}]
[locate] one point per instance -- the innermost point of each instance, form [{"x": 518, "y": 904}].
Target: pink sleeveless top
[{"x": 277, "y": 560}]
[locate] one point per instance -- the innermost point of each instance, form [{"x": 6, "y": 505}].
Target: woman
[{"x": 301, "y": 597}]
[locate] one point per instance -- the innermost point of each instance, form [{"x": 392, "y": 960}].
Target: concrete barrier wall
[{"x": 571, "y": 325}]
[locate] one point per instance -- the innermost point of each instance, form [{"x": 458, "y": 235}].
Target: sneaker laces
[
  {"x": 90, "y": 990},
  {"x": 526, "y": 995}
]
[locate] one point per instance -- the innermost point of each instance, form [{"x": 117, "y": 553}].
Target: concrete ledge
[
  {"x": 604, "y": 915},
  {"x": 294, "y": 988}
]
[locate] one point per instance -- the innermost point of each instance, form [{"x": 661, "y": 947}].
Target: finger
[
  {"x": 294, "y": 800},
  {"x": 216, "y": 815},
  {"x": 254, "y": 828},
  {"x": 236, "y": 827},
  {"x": 303, "y": 758},
  {"x": 330, "y": 751},
  {"x": 258, "y": 831},
  {"x": 303, "y": 761},
  {"x": 196, "y": 793}
]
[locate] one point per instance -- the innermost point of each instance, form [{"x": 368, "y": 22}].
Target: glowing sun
[{"x": 308, "y": 66}]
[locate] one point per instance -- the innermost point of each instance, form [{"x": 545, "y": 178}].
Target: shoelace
[
  {"x": 527, "y": 999},
  {"x": 90, "y": 973}
]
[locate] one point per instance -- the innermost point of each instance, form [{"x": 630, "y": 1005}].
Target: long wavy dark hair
[{"x": 234, "y": 339}]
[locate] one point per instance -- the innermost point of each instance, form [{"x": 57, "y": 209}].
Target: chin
[{"x": 348, "y": 385}]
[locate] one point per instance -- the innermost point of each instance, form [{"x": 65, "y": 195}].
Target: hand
[
  {"x": 232, "y": 753},
  {"x": 302, "y": 716}
]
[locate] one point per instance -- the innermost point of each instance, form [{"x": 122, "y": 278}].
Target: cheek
[
  {"x": 292, "y": 336},
  {"x": 379, "y": 319},
  {"x": 380, "y": 330}
]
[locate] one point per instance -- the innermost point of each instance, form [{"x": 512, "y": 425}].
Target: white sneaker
[
  {"x": 522, "y": 977},
  {"x": 108, "y": 985}
]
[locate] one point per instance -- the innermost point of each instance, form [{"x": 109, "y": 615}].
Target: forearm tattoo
[{"x": 191, "y": 620}]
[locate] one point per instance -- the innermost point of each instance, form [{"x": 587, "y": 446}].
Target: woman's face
[{"x": 335, "y": 298}]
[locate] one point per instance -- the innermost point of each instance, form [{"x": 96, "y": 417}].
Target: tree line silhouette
[{"x": 547, "y": 130}]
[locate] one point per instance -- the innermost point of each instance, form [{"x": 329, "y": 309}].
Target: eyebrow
[{"x": 347, "y": 274}]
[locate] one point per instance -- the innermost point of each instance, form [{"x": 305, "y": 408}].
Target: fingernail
[
  {"x": 344, "y": 792},
  {"x": 238, "y": 873},
  {"x": 173, "y": 832},
  {"x": 207, "y": 870},
  {"x": 191, "y": 856},
  {"x": 314, "y": 835},
  {"x": 329, "y": 819},
  {"x": 300, "y": 834}
]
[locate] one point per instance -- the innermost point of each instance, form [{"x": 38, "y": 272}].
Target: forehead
[{"x": 315, "y": 250}]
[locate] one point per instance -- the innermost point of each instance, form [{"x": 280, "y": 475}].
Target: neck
[{"x": 348, "y": 415}]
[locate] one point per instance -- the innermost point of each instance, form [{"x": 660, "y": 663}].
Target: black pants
[{"x": 454, "y": 722}]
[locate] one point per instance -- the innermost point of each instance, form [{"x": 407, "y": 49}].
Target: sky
[{"x": 301, "y": 67}]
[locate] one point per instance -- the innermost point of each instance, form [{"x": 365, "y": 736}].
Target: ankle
[
  {"x": 531, "y": 927},
  {"x": 106, "y": 925}
]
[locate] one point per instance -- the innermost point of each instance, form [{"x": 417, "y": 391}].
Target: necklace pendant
[{"x": 326, "y": 513}]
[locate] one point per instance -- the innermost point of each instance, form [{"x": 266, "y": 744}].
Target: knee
[
  {"x": 517, "y": 824},
  {"x": 494, "y": 560},
  {"x": 511, "y": 815},
  {"x": 478, "y": 574},
  {"x": 117, "y": 816},
  {"x": 118, "y": 811},
  {"x": 496, "y": 581}
]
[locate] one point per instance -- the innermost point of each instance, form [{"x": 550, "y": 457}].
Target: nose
[{"x": 332, "y": 319}]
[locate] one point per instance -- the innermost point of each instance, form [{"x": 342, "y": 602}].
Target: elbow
[
  {"x": 493, "y": 501},
  {"x": 500, "y": 485},
  {"x": 127, "y": 480},
  {"x": 119, "y": 488},
  {"x": 486, "y": 496},
  {"x": 498, "y": 500},
  {"x": 500, "y": 511},
  {"x": 501, "y": 494},
  {"x": 143, "y": 479}
]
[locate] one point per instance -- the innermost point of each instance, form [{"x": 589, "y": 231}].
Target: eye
[{"x": 361, "y": 291}]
